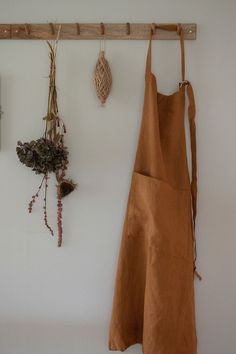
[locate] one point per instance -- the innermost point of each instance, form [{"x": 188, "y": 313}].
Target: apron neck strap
[
  {"x": 180, "y": 32},
  {"x": 173, "y": 28}
]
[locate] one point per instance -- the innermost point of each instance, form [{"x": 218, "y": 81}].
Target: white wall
[{"x": 57, "y": 301}]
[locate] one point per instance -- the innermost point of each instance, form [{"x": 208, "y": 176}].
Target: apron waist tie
[{"x": 192, "y": 126}]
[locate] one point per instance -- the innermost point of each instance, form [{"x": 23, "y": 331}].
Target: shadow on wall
[{"x": 40, "y": 338}]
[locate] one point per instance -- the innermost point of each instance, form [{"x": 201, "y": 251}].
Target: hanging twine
[{"x": 102, "y": 78}]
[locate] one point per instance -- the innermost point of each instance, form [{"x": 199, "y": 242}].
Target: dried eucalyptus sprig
[{"x": 48, "y": 154}]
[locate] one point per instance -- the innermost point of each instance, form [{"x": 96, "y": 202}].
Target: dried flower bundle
[
  {"x": 43, "y": 155},
  {"x": 48, "y": 154}
]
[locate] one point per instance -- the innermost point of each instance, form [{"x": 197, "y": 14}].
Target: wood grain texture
[{"x": 79, "y": 31}]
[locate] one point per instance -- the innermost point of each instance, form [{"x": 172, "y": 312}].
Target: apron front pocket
[{"x": 160, "y": 213}]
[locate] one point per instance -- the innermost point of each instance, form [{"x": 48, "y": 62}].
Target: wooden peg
[
  {"x": 128, "y": 28},
  {"x": 27, "y": 29},
  {"x": 52, "y": 28},
  {"x": 78, "y": 28},
  {"x": 153, "y": 28},
  {"x": 102, "y": 28},
  {"x": 179, "y": 28}
]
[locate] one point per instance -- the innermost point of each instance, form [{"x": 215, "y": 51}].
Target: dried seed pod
[
  {"x": 65, "y": 187},
  {"x": 102, "y": 78}
]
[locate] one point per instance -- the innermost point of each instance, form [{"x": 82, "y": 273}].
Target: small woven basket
[{"x": 102, "y": 78}]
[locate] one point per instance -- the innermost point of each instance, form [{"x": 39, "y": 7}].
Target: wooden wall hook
[
  {"x": 27, "y": 29},
  {"x": 128, "y": 28},
  {"x": 179, "y": 28},
  {"x": 52, "y": 28},
  {"x": 153, "y": 28},
  {"x": 78, "y": 28},
  {"x": 102, "y": 28},
  {"x": 88, "y": 31}
]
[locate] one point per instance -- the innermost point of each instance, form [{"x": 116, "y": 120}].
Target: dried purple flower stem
[
  {"x": 30, "y": 207},
  {"x": 59, "y": 219},
  {"x": 45, "y": 206}
]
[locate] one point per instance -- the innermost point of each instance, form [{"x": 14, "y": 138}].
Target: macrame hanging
[
  {"x": 48, "y": 154},
  {"x": 102, "y": 75}
]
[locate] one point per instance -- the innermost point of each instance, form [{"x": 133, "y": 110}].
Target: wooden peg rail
[{"x": 127, "y": 31}]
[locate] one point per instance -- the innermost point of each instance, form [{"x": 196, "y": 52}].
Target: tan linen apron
[{"x": 154, "y": 292}]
